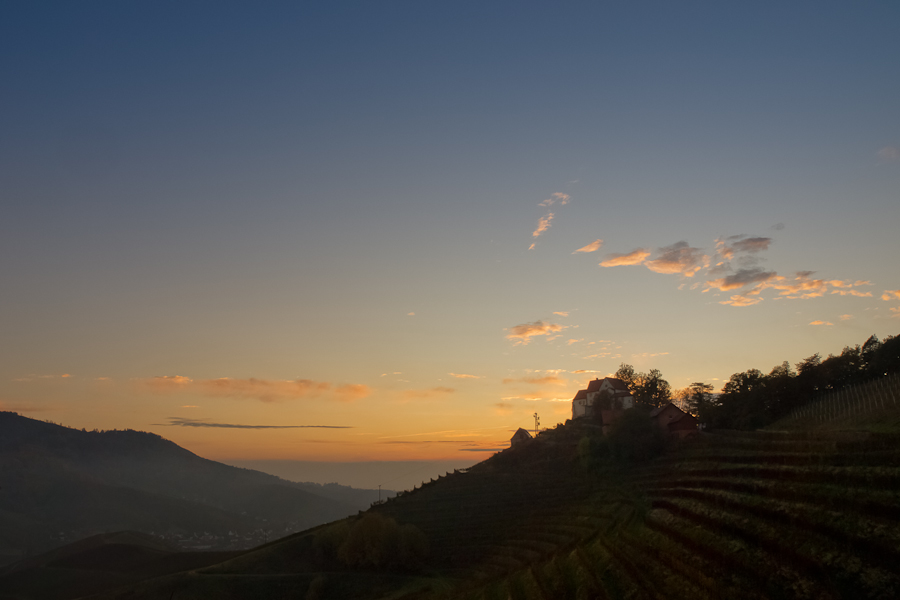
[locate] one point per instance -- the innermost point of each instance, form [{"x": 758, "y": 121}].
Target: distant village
[{"x": 606, "y": 400}]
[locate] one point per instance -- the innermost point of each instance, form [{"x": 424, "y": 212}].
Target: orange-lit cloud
[
  {"x": 740, "y": 279},
  {"x": 429, "y": 393},
  {"x": 820, "y": 323},
  {"x": 182, "y": 422},
  {"x": 561, "y": 313},
  {"x": 503, "y": 408},
  {"x": 846, "y": 317},
  {"x": 522, "y": 334},
  {"x": 574, "y": 341},
  {"x": 889, "y": 295},
  {"x": 679, "y": 259},
  {"x": 592, "y": 247},
  {"x": 804, "y": 287},
  {"x": 751, "y": 245},
  {"x": 555, "y": 197},
  {"x": 256, "y": 389},
  {"x": 742, "y": 300},
  {"x": 465, "y": 376},
  {"x": 635, "y": 257},
  {"x": 546, "y": 380},
  {"x": 543, "y": 225},
  {"x": 895, "y": 310}
]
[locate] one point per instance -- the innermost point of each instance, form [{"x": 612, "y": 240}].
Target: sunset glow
[{"x": 397, "y": 231}]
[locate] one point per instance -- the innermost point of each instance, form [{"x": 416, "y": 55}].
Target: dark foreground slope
[
  {"x": 58, "y": 485},
  {"x": 728, "y": 515}
]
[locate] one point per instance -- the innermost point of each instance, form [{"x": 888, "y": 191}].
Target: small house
[
  {"x": 673, "y": 421},
  {"x": 519, "y": 437}
]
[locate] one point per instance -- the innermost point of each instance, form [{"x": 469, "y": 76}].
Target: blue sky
[{"x": 206, "y": 205}]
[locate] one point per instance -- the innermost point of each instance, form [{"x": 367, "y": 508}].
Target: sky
[{"x": 361, "y": 232}]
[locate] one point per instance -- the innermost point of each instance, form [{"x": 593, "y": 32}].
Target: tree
[
  {"x": 700, "y": 401},
  {"x": 652, "y": 390}
]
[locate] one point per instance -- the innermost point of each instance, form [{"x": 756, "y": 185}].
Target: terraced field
[
  {"x": 737, "y": 515},
  {"x": 727, "y": 515}
]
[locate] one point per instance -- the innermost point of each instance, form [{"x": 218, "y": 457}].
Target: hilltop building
[
  {"x": 673, "y": 421},
  {"x": 519, "y": 437},
  {"x": 608, "y": 398}
]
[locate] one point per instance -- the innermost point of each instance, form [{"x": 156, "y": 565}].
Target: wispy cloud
[
  {"x": 748, "y": 299},
  {"x": 635, "y": 257},
  {"x": 556, "y": 197},
  {"x": 465, "y": 376},
  {"x": 888, "y": 154},
  {"x": 846, "y": 317},
  {"x": 546, "y": 380},
  {"x": 679, "y": 259},
  {"x": 889, "y": 295},
  {"x": 592, "y": 247},
  {"x": 561, "y": 313},
  {"x": 429, "y": 393},
  {"x": 182, "y": 422},
  {"x": 522, "y": 334},
  {"x": 741, "y": 278},
  {"x": 820, "y": 323},
  {"x": 543, "y": 225},
  {"x": 256, "y": 389}
]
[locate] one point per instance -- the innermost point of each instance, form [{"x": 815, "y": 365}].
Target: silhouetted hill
[
  {"x": 59, "y": 484},
  {"x": 805, "y": 514}
]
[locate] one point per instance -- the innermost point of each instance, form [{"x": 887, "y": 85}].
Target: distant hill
[
  {"x": 805, "y": 514},
  {"x": 59, "y": 484}
]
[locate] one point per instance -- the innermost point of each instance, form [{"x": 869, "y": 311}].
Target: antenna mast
[{"x": 537, "y": 424}]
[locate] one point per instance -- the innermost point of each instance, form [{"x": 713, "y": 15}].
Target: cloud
[
  {"x": 752, "y": 245},
  {"x": 574, "y": 341},
  {"x": 803, "y": 286},
  {"x": 256, "y": 389},
  {"x": 635, "y": 257},
  {"x": 561, "y": 313},
  {"x": 555, "y": 197},
  {"x": 820, "y": 323},
  {"x": 503, "y": 408},
  {"x": 181, "y": 422},
  {"x": 888, "y": 154},
  {"x": 429, "y": 393},
  {"x": 846, "y": 317},
  {"x": 523, "y": 333},
  {"x": 592, "y": 247},
  {"x": 743, "y": 300},
  {"x": 464, "y": 376},
  {"x": 679, "y": 258},
  {"x": 895, "y": 310},
  {"x": 741, "y": 278},
  {"x": 546, "y": 380},
  {"x": 410, "y": 314},
  {"x": 167, "y": 383},
  {"x": 889, "y": 295},
  {"x": 543, "y": 225}
]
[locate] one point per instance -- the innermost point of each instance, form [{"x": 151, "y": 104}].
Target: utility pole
[
  {"x": 537, "y": 424},
  {"x": 379, "y": 493}
]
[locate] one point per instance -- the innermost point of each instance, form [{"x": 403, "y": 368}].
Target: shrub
[{"x": 634, "y": 437}]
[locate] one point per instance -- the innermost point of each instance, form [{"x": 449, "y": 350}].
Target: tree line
[{"x": 753, "y": 399}]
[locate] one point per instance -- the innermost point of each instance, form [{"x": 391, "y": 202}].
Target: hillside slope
[
  {"x": 59, "y": 484},
  {"x": 737, "y": 515}
]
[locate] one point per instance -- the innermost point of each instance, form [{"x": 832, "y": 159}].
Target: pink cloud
[
  {"x": 592, "y": 247},
  {"x": 523, "y": 333},
  {"x": 635, "y": 257}
]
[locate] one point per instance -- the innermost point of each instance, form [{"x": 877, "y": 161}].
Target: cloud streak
[
  {"x": 592, "y": 247},
  {"x": 181, "y": 422},
  {"x": 522, "y": 334},
  {"x": 256, "y": 389},
  {"x": 635, "y": 257},
  {"x": 679, "y": 259}
]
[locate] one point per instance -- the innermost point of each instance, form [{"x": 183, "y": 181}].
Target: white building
[{"x": 609, "y": 387}]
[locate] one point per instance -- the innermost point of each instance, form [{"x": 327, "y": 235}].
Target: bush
[
  {"x": 635, "y": 437},
  {"x": 374, "y": 541}
]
